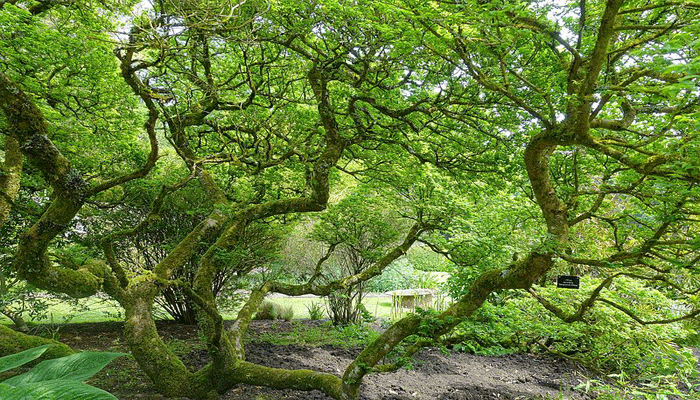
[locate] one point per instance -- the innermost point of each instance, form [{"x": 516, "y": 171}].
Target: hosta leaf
[
  {"x": 21, "y": 358},
  {"x": 76, "y": 367},
  {"x": 59, "y": 389}
]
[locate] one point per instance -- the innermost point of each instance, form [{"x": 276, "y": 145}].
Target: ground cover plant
[
  {"x": 161, "y": 153},
  {"x": 59, "y": 378}
]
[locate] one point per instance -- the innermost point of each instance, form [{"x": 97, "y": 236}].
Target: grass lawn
[
  {"x": 92, "y": 309},
  {"x": 380, "y": 307},
  {"x": 98, "y": 310}
]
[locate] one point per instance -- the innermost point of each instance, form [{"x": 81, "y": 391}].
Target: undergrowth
[{"x": 628, "y": 359}]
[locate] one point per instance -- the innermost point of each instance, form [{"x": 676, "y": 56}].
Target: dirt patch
[{"x": 433, "y": 374}]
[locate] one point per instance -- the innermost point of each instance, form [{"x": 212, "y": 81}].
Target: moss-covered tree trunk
[
  {"x": 10, "y": 175},
  {"x": 12, "y": 342}
]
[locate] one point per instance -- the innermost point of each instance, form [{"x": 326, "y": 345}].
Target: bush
[
  {"x": 395, "y": 277},
  {"x": 606, "y": 340},
  {"x": 287, "y": 313},
  {"x": 19, "y": 300},
  {"x": 344, "y": 306},
  {"x": 60, "y": 378},
  {"x": 270, "y": 310}
]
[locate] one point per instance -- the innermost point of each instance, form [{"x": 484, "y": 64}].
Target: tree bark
[
  {"x": 10, "y": 175},
  {"x": 28, "y": 126},
  {"x": 162, "y": 366},
  {"x": 16, "y": 317},
  {"x": 12, "y": 342}
]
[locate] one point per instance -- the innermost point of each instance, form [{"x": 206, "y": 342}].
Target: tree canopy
[{"x": 565, "y": 132}]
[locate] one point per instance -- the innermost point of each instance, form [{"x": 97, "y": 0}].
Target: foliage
[
  {"x": 180, "y": 213},
  {"x": 606, "y": 340},
  {"x": 287, "y": 313},
  {"x": 620, "y": 386},
  {"x": 344, "y": 308},
  {"x": 315, "y": 311},
  {"x": 268, "y": 310},
  {"x": 26, "y": 305},
  {"x": 60, "y": 378},
  {"x": 20, "y": 301},
  {"x": 402, "y": 275},
  {"x": 358, "y": 232},
  {"x": 423, "y": 258},
  {"x": 299, "y": 253}
]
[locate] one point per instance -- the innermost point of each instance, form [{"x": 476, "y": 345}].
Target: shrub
[
  {"x": 271, "y": 310},
  {"x": 60, "y": 378},
  {"x": 287, "y": 313},
  {"x": 343, "y": 306},
  {"x": 606, "y": 340},
  {"x": 315, "y": 311},
  {"x": 423, "y": 280},
  {"x": 395, "y": 277}
]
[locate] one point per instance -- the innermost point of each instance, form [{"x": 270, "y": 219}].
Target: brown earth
[{"x": 433, "y": 375}]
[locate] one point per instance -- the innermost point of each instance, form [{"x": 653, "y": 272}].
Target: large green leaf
[
  {"x": 59, "y": 389},
  {"x": 21, "y": 358},
  {"x": 77, "y": 367}
]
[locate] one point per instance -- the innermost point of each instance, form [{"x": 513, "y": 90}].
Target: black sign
[{"x": 567, "y": 281}]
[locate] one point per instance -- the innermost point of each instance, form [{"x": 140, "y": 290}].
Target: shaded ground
[{"x": 434, "y": 375}]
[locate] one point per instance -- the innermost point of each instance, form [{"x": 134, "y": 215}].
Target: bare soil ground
[{"x": 434, "y": 375}]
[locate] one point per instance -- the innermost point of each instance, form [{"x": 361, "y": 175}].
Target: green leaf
[
  {"x": 21, "y": 358},
  {"x": 59, "y": 389},
  {"x": 76, "y": 367}
]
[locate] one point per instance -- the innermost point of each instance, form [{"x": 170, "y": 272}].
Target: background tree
[
  {"x": 178, "y": 215},
  {"x": 357, "y": 234}
]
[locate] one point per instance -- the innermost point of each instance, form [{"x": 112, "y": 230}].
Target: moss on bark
[
  {"x": 10, "y": 174},
  {"x": 12, "y": 342},
  {"x": 299, "y": 379}
]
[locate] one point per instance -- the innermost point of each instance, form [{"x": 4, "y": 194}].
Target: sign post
[{"x": 568, "y": 281}]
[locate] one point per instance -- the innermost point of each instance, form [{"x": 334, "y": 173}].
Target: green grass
[
  {"x": 88, "y": 310},
  {"x": 100, "y": 310},
  {"x": 380, "y": 307}
]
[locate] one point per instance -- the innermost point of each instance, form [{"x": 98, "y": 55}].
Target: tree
[
  {"x": 357, "y": 235},
  {"x": 264, "y": 102}
]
